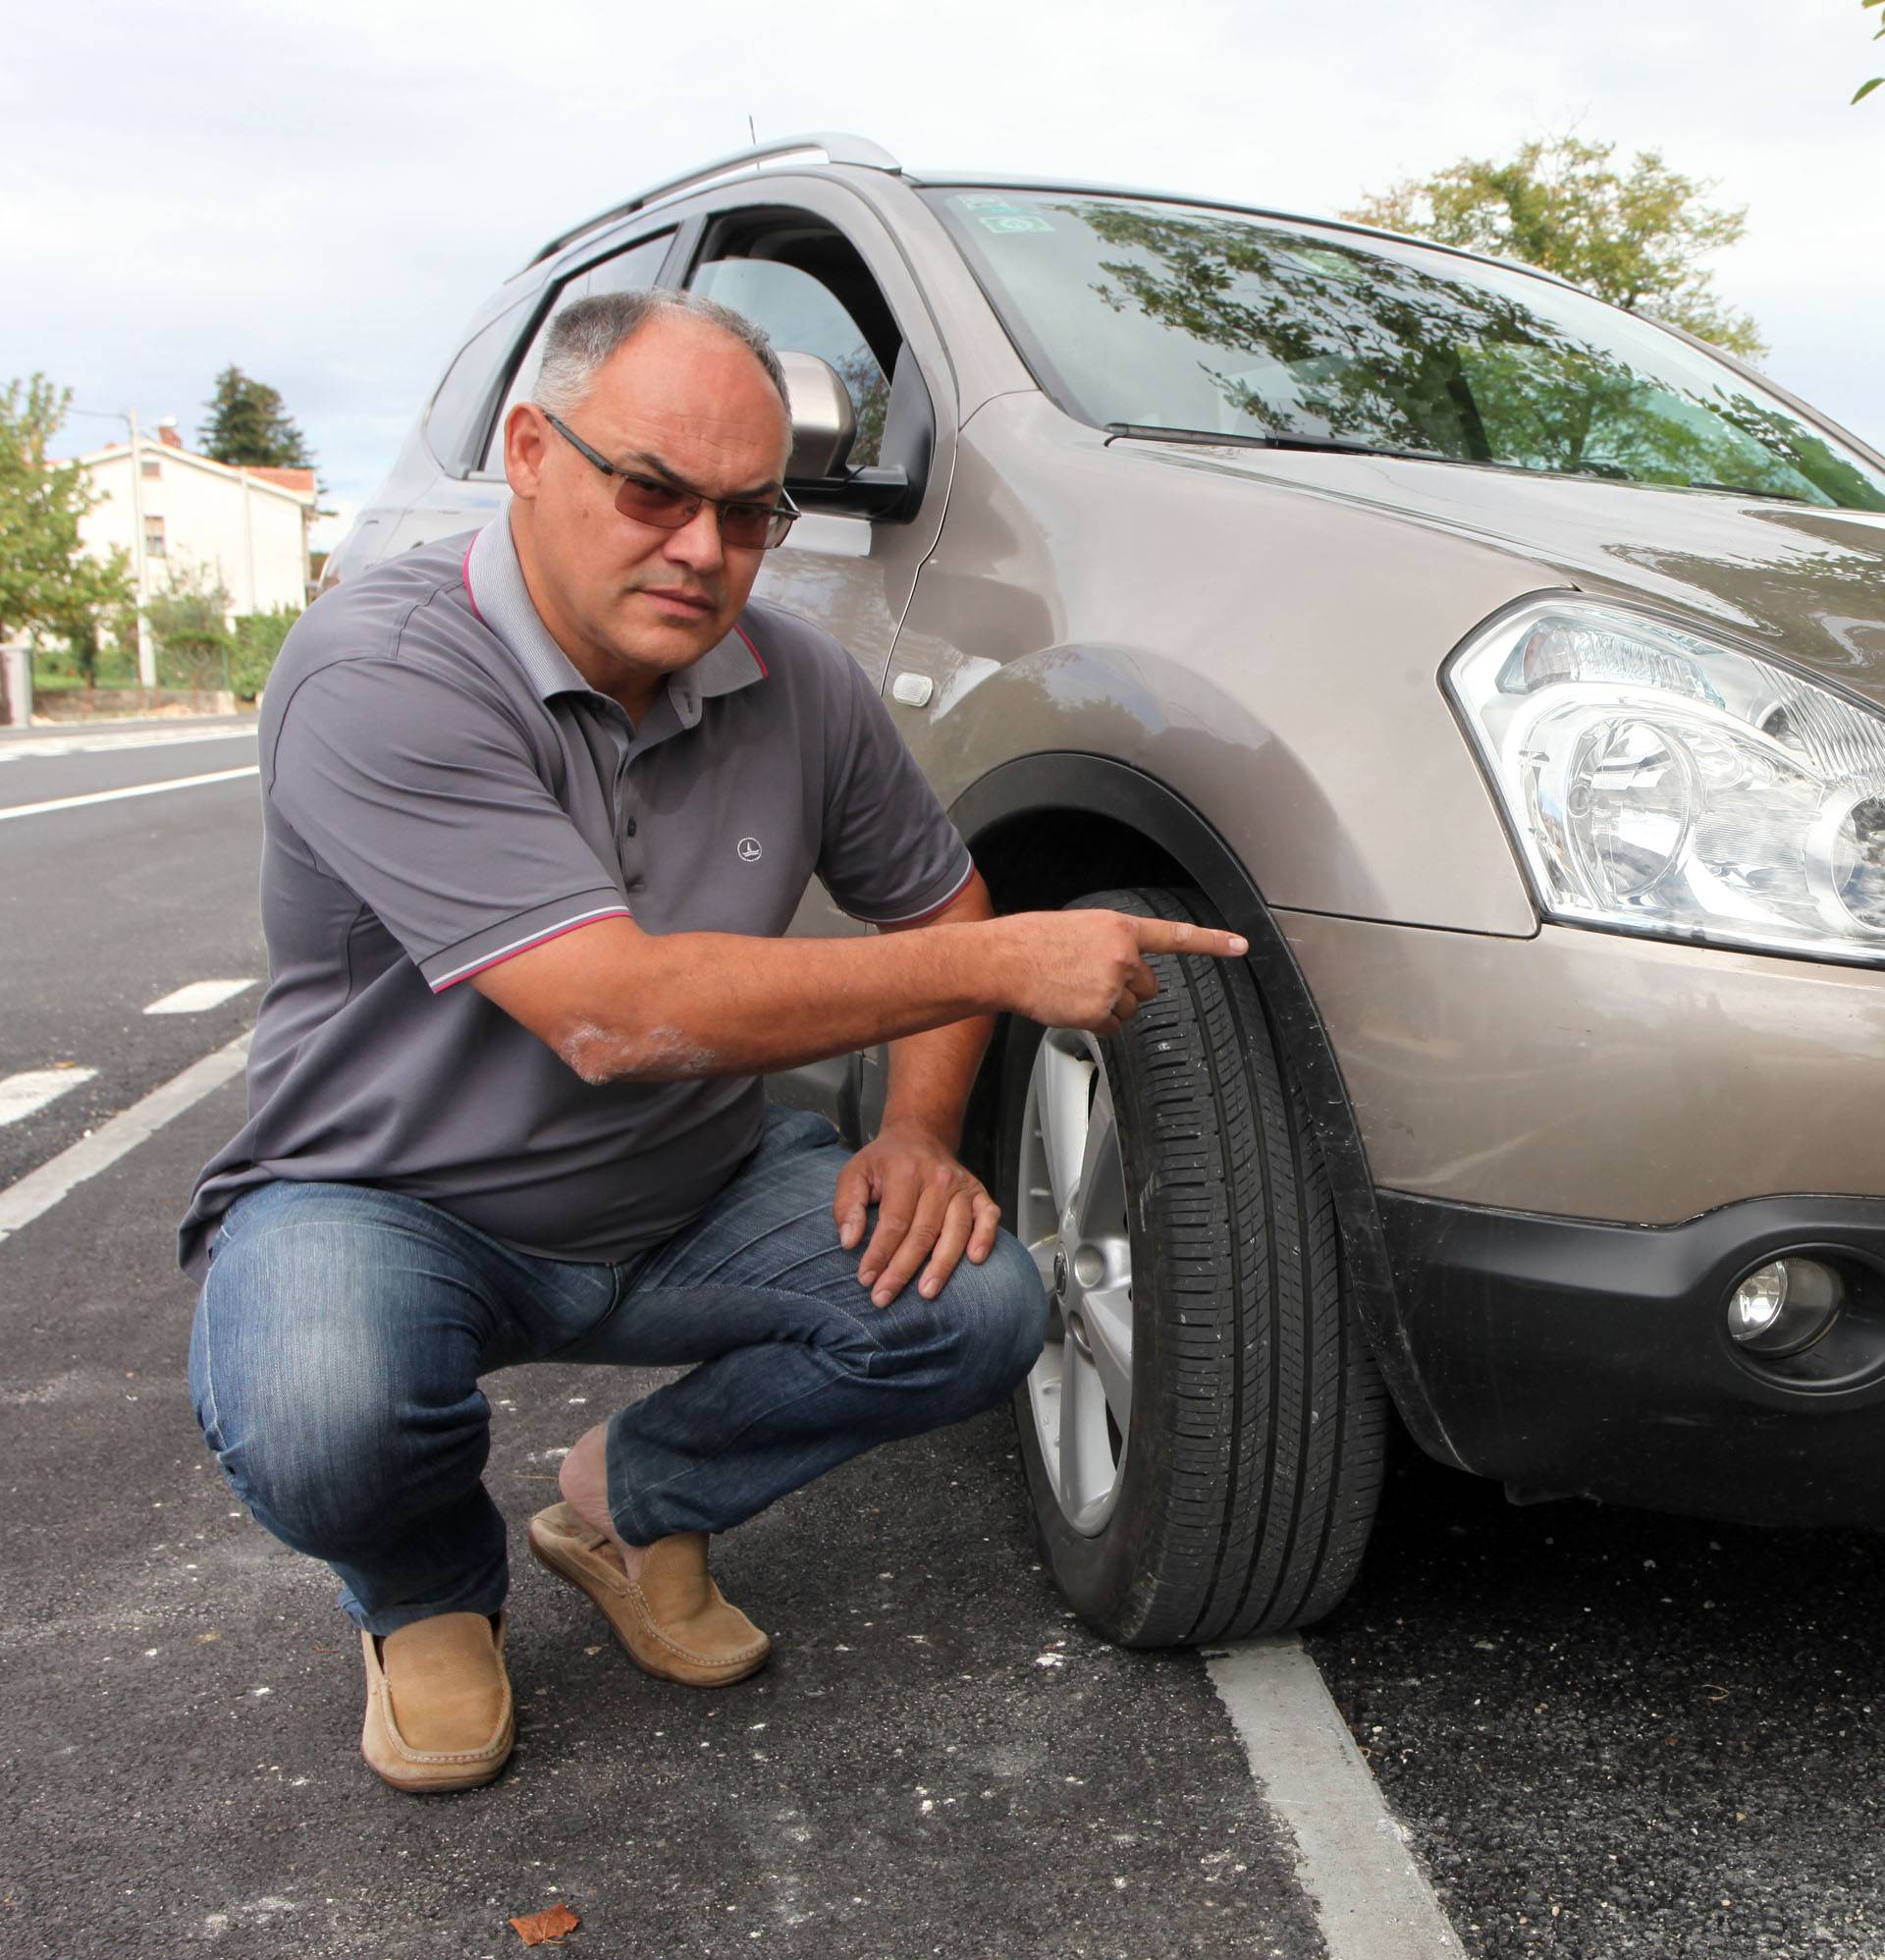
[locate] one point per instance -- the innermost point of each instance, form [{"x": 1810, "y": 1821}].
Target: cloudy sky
[{"x": 321, "y": 194}]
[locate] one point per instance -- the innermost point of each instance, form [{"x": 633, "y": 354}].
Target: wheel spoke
[
  {"x": 1106, "y": 1315},
  {"x": 1063, "y": 1083},
  {"x": 1086, "y": 1457},
  {"x": 1100, "y": 1205}
]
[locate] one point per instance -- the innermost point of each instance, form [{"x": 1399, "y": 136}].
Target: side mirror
[
  {"x": 819, "y": 475},
  {"x": 823, "y": 423}
]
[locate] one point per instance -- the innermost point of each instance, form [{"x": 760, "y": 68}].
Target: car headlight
[{"x": 1657, "y": 782}]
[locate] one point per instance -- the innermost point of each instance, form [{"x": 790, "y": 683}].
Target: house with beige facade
[{"x": 168, "y": 508}]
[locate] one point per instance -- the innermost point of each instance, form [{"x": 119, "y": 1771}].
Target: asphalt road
[
  {"x": 1607, "y": 1734},
  {"x": 108, "y": 908}
]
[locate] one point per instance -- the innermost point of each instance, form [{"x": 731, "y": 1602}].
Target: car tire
[{"x": 1197, "y": 1280}]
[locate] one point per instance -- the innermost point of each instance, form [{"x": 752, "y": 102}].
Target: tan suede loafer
[
  {"x": 673, "y": 1621},
  {"x": 438, "y": 1704}
]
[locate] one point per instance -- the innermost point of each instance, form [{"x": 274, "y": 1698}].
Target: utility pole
[{"x": 146, "y": 656}]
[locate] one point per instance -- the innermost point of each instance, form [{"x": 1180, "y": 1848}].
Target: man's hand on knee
[{"x": 930, "y": 1211}]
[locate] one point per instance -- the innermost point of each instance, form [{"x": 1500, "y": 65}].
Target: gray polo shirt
[{"x": 442, "y": 789}]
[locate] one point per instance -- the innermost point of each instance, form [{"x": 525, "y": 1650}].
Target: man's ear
[{"x": 526, "y": 441}]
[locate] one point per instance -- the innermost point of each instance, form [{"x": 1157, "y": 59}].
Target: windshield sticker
[
  {"x": 984, "y": 200},
  {"x": 1016, "y": 221}
]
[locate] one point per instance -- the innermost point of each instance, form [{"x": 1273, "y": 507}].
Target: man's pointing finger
[{"x": 1180, "y": 936}]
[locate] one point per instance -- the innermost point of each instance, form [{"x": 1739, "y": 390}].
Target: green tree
[
  {"x": 94, "y": 618},
  {"x": 1631, "y": 237},
  {"x": 248, "y": 424},
  {"x": 45, "y": 580}
]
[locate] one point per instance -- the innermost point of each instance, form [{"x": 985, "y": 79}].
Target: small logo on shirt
[{"x": 748, "y": 848}]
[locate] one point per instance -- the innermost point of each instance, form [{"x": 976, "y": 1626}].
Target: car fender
[{"x": 998, "y": 814}]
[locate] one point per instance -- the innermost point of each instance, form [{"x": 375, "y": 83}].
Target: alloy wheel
[{"x": 1071, "y": 1209}]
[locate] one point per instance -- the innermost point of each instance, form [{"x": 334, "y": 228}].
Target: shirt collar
[{"x": 494, "y": 581}]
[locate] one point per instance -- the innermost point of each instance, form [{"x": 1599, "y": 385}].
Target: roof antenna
[{"x": 752, "y": 134}]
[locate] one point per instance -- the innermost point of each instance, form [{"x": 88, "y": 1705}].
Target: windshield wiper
[
  {"x": 1158, "y": 432},
  {"x": 1747, "y": 490},
  {"x": 1604, "y": 472}
]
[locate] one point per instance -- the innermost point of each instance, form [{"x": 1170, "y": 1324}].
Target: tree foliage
[
  {"x": 45, "y": 580},
  {"x": 1632, "y": 237},
  {"x": 1866, "y": 87},
  {"x": 249, "y": 424}
]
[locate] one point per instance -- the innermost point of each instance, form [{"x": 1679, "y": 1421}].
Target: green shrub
[
  {"x": 187, "y": 623},
  {"x": 258, "y": 638}
]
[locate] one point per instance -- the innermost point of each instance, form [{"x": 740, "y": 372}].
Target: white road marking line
[
  {"x": 21, "y": 1095},
  {"x": 39, "y": 1190},
  {"x": 1372, "y": 1900},
  {"x": 34, "y": 747},
  {"x": 199, "y": 997},
  {"x": 137, "y": 790}
]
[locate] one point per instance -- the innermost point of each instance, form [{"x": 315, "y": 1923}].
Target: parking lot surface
[
  {"x": 1612, "y": 1732},
  {"x": 1603, "y": 1732},
  {"x": 937, "y": 1760}
]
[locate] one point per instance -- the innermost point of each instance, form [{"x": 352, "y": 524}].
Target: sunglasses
[{"x": 745, "y": 526}]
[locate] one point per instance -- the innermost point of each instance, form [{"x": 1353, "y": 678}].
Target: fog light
[{"x": 1785, "y": 1307}]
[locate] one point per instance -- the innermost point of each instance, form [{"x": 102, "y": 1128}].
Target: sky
[{"x": 322, "y": 194}]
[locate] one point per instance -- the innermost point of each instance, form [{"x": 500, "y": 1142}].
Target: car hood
[{"x": 1809, "y": 583}]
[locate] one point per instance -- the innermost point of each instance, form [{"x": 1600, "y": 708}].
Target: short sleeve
[
  {"x": 889, "y": 855},
  {"x": 423, "y": 798}
]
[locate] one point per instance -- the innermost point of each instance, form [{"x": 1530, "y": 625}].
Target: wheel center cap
[{"x": 1059, "y": 1272}]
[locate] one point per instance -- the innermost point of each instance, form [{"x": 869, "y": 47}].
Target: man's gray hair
[{"x": 583, "y": 336}]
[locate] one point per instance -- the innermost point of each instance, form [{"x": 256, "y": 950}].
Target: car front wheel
[{"x": 1204, "y": 1433}]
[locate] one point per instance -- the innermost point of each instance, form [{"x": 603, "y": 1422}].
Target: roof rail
[{"x": 832, "y": 146}]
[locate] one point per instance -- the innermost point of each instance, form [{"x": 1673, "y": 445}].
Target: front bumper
[
  {"x": 1596, "y": 1075},
  {"x": 1566, "y": 1357}
]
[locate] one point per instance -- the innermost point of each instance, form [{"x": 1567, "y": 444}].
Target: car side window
[
  {"x": 455, "y": 421},
  {"x": 804, "y": 315},
  {"x": 630, "y": 271}
]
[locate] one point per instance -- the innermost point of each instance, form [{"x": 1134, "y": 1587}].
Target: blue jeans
[{"x": 342, "y": 1330}]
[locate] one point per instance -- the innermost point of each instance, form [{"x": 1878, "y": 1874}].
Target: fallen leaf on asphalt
[{"x": 540, "y": 1929}]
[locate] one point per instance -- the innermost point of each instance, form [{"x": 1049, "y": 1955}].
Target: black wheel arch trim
[{"x": 1065, "y": 780}]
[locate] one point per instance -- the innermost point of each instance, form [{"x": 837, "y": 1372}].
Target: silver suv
[{"x": 1510, "y": 669}]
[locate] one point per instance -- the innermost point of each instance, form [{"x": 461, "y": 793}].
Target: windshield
[{"x": 1172, "y": 316}]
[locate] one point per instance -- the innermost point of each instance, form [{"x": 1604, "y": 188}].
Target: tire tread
[{"x": 1275, "y": 1411}]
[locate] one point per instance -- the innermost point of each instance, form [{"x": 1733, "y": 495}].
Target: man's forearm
[
  {"x": 714, "y": 1004},
  {"x": 618, "y": 1003}
]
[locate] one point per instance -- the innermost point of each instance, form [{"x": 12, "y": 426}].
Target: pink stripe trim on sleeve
[{"x": 525, "y": 945}]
